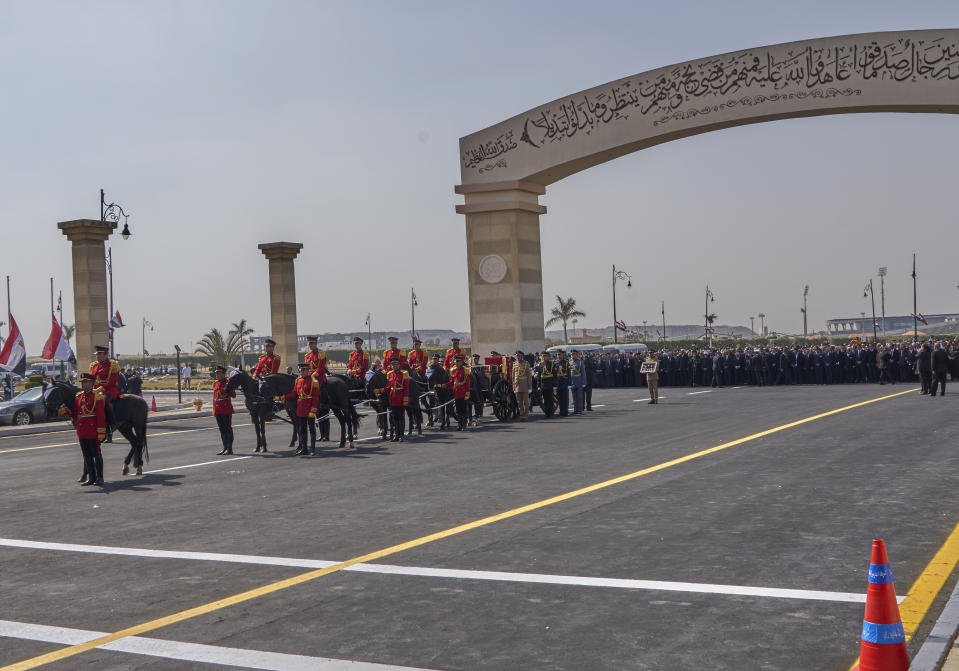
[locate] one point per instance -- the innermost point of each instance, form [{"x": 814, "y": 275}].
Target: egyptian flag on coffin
[
  {"x": 13, "y": 356},
  {"x": 57, "y": 346}
]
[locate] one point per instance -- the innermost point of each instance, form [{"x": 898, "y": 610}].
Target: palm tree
[
  {"x": 240, "y": 331},
  {"x": 68, "y": 331},
  {"x": 215, "y": 346},
  {"x": 710, "y": 318},
  {"x": 563, "y": 312}
]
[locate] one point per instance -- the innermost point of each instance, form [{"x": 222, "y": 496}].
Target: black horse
[
  {"x": 378, "y": 396},
  {"x": 133, "y": 426},
  {"x": 479, "y": 393},
  {"x": 439, "y": 404},
  {"x": 334, "y": 398}
]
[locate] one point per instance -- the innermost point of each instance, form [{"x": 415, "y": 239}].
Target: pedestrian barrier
[{"x": 883, "y": 646}]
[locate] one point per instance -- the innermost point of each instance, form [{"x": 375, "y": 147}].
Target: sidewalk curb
[
  {"x": 47, "y": 428},
  {"x": 938, "y": 643}
]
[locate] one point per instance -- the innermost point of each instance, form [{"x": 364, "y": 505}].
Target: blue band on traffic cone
[
  {"x": 880, "y": 574},
  {"x": 883, "y": 633}
]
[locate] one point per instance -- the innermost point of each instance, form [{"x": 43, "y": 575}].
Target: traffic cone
[
  {"x": 153, "y": 404},
  {"x": 883, "y": 645}
]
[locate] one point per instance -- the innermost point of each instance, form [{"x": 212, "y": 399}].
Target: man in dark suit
[{"x": 940, "y": 366}]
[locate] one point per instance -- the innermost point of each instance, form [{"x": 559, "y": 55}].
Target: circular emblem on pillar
[{"x": 492, "y": 268}]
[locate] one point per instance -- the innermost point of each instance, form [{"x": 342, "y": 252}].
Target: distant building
[{"x": 851, "y": 325}]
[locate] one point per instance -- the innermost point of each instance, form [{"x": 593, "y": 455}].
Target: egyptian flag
[
  {"x": 13, "y": 356},
  {"x": 116, "y": 321},
  {"x": 621, "y": 325},
  {"x": 919, "y": 317},
  {"x": 57, "y": 346}
]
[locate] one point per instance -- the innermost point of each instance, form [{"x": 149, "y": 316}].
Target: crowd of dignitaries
[{"x": 897, "y": 361}]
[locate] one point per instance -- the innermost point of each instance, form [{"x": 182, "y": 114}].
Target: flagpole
[
  {"x": 915, "y": 309},
  {"x": 664, "y": 324},
  {"x": 63, "y": 373},
  {"x": 110, "y": 316},
  {"x": 412, "y": 312}
]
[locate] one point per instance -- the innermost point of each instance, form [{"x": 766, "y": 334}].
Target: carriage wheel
[{"x": 500, "y": 398}]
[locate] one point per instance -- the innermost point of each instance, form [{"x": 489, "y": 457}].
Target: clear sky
[{"x": 221, "y": 124}]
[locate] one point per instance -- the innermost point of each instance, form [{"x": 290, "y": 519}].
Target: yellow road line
[
  {"x": 924, "y": 591},
  {"x": 270, "y": 588},
  {"x": 149, "y": 436}
]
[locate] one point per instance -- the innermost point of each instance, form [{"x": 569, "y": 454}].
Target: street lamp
[
  {"x": 882, "y": 292},
  {"x": 112, "y": 212},
  {"x": 805, "y": 326},
  {"x": 762, "y": 322},
  {"x": 619, "y": 275},
  {"x": 869, "y": 292},
  {"x": 179, "y": 391},
  {"x": 752, "y": 326},
  {"x": 710, "y": 298}
]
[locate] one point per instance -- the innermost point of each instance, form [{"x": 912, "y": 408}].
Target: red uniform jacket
[
  {"x": 417, "y": 360},
  {"x": 222, "y": 405},
  {"x": 460, "y": 382},
  {"x": 399, "y": 388},
  {"x": 267, "y": 365},
  {"x": 450, "y": 353},
  {"x": 107, "y": 375},
  {"x": 359, "y": 363},
  {"x": 390, "y": 354},
  {"x": 317, "y": 361},
  {"x": 89, "y": 415},
  {"x": 306, "y": 391}
]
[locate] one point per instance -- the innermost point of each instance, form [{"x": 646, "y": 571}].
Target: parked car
[{"x": 27, "y": 407}]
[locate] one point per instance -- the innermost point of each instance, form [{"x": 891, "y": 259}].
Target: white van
[{"x": 575, "y": 348}]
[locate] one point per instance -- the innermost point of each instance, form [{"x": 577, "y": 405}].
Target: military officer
[
  {"x": 652, "y": 379},
  {"x": 546, "y": 372},
  {"x": 306, "y": 391},
  {"x": 452, "y": 353},
  {"x": 223, "y": 410},
  {"x": 562, "y": 383},
  {"x": 398, "y": 384},
  {"x": 522, "y": 379},
  {"x": 269, "y": 362},
  {"x": 577, "y": 381},
  {"x": 460, "y": 384},
  {"x": 89, "y": 418},
  {"x": 393, "y": 352},
  {"x": 417, "y": 359},
  {"x": 317, "y": 360},
  {"x": 106, "y": 379},
  {"x": 359, "y": 362}
]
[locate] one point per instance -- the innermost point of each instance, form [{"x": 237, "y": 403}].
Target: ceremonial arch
[{"x": 506, "y": 168}]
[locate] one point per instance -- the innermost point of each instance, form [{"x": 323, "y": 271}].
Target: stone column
[
  {"x": 283, "y": 299},
  {"x": 504, "y": 265},
  {"x": 89, "y": 285}
]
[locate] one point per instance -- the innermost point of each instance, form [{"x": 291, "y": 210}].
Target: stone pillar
[
  {"x": 89, "y": 285},
  {"x": 283, "y": 300},
  {"x": 504, "y": 265}
]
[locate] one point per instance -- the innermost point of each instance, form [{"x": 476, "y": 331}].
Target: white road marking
[
  {"x": 205, "y": 463},
  {"x": 693, "y": 393},
  {"x": 427, "y": 572},
  {"x": 599, "y": 405},
  {"x": 191, "y": 652}
]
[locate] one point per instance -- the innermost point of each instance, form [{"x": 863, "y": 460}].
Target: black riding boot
[{"x": 98, "y": 463}]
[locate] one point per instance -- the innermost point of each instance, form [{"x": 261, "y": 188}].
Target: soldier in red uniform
[
  {"x": 317, "y": 360},
  {"x": 452, "y": 353},
  {"x": 106, "y": 380},
  {"x": 223, "y": 410},
  {"x": 393, "y": 352},
  {"x": 460, "y": 384},
  {"x": 398, "y": 384},
  {"x": 89, "y": 417},
  {"x": 269, "y": 362},
  {"x": 306, "y": 391},
  {"x": 418, "y": 358},
  {"x": 359, "y": 363}
]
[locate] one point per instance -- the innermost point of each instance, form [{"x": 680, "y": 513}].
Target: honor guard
[
  {"x": 522, "y": 382},
  {"x": 317, "y": 360},
  {"x": 393, "y": 352},
  {"x": 306, "y": 391},
  {"x": 562, "y": 383},
  {"x": 398, "y": 384},
  {"x": 452, "y": 353},
  {"x": 652, "y": 379},
  {"x": 546, "y": 372},
  {"x": 223, "y": 410},
  {"x": 269, "y": 362},
  {"x": 359, "y": 361},
  {"x": 417, "y": 358},
  {"x": 460, "y": 384},
  {"x": 577, "y": 381},
  {"x": 106, "y": 379},
  {"x": 90, "y": 419}
]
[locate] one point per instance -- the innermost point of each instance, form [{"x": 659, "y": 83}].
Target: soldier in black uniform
[
  {"x": 546, "y": 372},
  {"x": 925, "y": 368},
  {"x": 562, "y": 383}
]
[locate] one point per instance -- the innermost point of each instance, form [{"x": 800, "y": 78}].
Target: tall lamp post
[
  {"x": 143, "y": 339},
  {"x": 882, "y": 293},
  {"x": 710, "y": 298},
  {"x": 113, "y": 212},
  {"x": 752, "y": 326},
  {"x": 869, "y": 292},
  {"x": 619, "y": 275},
  {"x": 413, "y": 304},
  {"x": 805, "y": 324},
  {"x": 762, "y": 324}
]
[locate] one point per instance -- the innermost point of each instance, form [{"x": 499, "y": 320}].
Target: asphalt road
[{"x": 682, "y": 567}]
